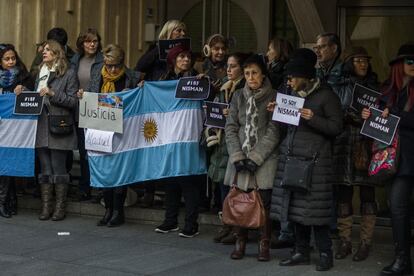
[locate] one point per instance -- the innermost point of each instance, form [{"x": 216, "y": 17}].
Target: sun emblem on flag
[{"x": 150, "y": 130}]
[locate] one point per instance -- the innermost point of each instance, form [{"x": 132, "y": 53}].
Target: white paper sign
[
  {"x": 98, "y": 140},
  {"x": 103, "y": 111},
  {"x": 287, "y": 109}
]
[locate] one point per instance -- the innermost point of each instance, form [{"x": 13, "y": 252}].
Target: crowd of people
[{"x": 252, "y": 152}]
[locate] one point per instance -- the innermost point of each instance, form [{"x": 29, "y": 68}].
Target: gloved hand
[
  {"x": 239, "y": 166},
  {"x": 250, "y": 165}
]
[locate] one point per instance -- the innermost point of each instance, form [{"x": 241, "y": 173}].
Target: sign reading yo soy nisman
[
  {"x": 287, "y": 109},
  {"x": 193, "y": 88}
]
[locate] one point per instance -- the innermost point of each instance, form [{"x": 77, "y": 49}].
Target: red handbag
[{"x": 243, "y": 209}]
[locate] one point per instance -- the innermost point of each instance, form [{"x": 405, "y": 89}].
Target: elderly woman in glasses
[{"x": 114, "y": 77}]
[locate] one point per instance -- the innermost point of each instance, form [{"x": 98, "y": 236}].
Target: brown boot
[
  {"x": 61, "y": 190},
  {"x": 46, "y": 196},
  {"x": 368, "y": 211},
  {"x": 344, "y": 225},
  {"x": 240, "y": 246},
  {"x": 223, "y": 232},
  {"x": 264, "y": 242}
]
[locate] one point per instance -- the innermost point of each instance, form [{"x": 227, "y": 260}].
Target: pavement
[{"x": 76, "y": 246}]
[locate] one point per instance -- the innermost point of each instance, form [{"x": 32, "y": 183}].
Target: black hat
[
  {"x": 302, "y": 64},
  {"x": 405, "y": 51},
  {"x": 258, "y": 60}
]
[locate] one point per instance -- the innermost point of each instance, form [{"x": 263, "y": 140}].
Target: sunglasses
[
  {"x": 113, "y": 66},
  {"x": 409, "y": 61}
]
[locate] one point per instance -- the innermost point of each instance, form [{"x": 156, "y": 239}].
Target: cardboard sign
[
  {"x": 165, "y": 45},
  {"x": 193, "y": 88},
  {"x": 215, "y": 116},
  {"x": 98, "y": 140},
  {"x": 287, "y": 109},
  {"x": 380, "y": 128},
  {"x": 364, "y": 97},
  {"x": 28, "y": 103},
  {"x": 101, "y": 112}
]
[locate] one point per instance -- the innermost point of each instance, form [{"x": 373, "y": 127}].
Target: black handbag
[
  {"x": 61, "y": 124},
  {"x": 297, "y": 176}
]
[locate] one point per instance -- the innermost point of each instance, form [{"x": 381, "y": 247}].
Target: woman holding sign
[
  {"x": 252, "y": 140},
  {"x": 216, "y": 141},
  {"x": 55, "y": 134},
  {"x": 13, "y": 77},
  {"x": 179, "y": 61},
  {"x": 302, "y": 190},
  {"x": 398, "y": 99},
  {"x": 115, "y": 77},
  {"x": 350, "y": 157}
]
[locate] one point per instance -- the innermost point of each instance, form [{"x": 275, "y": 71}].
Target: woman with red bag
[
  {"x": 252, "y": 140},
  {"x": 398, "y": 98}
]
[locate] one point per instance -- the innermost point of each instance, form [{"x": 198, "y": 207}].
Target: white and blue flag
[
  {"x": 17, "y": 140},
  {"x": 160, "y": 139}
]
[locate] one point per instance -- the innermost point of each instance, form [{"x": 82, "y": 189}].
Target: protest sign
[
  {"x": 215, "y": 116},
  {"x": 165, "y": 45},
  {"x": 193, "y": 88},
  {"x": 98, "y": 140},
  {"x": 380, "y": 128},
  {"x": 101, "y": 112},
  {"x": 287, "y": 109},
  {"x": 364, "y": 97},
  {"x": 28, "y": 103}
]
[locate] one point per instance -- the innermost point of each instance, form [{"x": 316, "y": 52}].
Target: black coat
[
  {"x": 345, "y": 144},
  {"x": 310, "y": 137},
  {"x": 151, "y": 65},
  {"x": 277, "y": 74},
  {"x": 406, "y": 132}
]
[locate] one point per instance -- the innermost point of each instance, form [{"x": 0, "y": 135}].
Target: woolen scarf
[
  {"x": 8, "y": 77},
  {"x": 44, "y": 75},
  {"x": 109, "y": 80}
]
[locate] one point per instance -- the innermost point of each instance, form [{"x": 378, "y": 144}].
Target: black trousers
[
  {"x": 346, "y": 192},
  {"x": 322, "y": 238},
  {"x": 400, "y": 195},
  {"x": 189, "y": 188},
  {"x": 84, "y": 179}
]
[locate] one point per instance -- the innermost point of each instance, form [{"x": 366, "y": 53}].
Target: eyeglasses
[
  {"x": 409, "y": 61},
  {"x": 320, "y": 47},
  {"x": 113, "y": 66},
  {"x": 91, "y": 41}
]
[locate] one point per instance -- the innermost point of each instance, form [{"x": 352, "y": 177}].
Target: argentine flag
[
  {"x": 17, "y": 140},
  {"x": 160, "y": 139}
]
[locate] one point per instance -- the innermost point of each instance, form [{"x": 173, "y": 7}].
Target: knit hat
[
  {"x": 405, "y": 51},
  {"x": 175, "y": 51},
  {"x": 302, "y": 64},
  {"x": 355, "y": 52}
]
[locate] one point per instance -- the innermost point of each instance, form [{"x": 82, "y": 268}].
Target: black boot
[
  {"x": 325, "y": 261},
  {"x": 118, "y": 218},
  {"x": 108, "y": 195},
  {"x": 401, "y": 265},
  {"x": 4, "y": 187}
]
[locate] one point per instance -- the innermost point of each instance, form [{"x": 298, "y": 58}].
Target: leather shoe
[
  {"x": 362, "y": 252},
  {"x": 296, "y": 259},
  {"x": 325, "y": 262},
  {"x": 400, "y": 266}
]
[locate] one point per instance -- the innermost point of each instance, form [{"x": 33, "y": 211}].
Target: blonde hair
[
  {"x": 114, "y": 53},
  {"x": 60, "y": 61},
  {"x": 169, "y": 27}
]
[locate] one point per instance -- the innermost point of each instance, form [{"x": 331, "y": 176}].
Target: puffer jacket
[
  {"x": 310, "y": 137},
  {"x": 264, "y": 153}
]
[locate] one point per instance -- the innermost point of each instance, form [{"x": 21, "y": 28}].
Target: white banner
[
  {"x": 98, "y": 140},
  {"x": 287, "y": 109},
  {"x": 101, "y": 111}
]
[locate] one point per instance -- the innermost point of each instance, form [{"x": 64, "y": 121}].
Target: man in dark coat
[{"x": 321, "y": 121}]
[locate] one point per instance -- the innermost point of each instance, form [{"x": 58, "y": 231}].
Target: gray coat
[
  {"x": 310, "y": 137},
  {"x": 62, "y": 103},
  {"x": 264, "y": 153}
]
